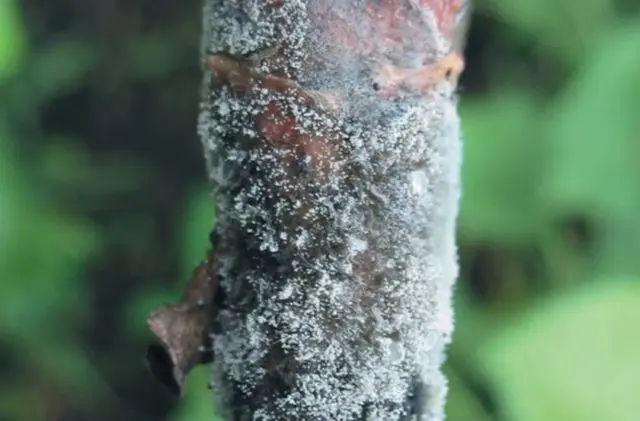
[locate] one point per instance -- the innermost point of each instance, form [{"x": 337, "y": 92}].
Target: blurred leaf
[
  {"x": 51, "y": 71},
  {"x": 60, "y": 67},
  {"x": 198, "y": 401},
  {"x": 565, "y": 28},
  {"x": 502, "y": 161},
  {"x": 41, "y": 254},
  {"x": 13, "y": 40},
  {"x": 462, "y": 404},
  {"x": 57, "y": 357},
  {"x": 573, "y": 357},
  {"x": 86, "y": 180},
  {"x": 595, "y": 140},
  {"x": 155, "y": 56},
  {"x": 197, "y": 222},
  {"x": 13, "y": 396},
  {"x": 475, "y": 324}
]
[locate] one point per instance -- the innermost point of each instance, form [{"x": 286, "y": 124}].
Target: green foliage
[
  {"x": 593, "y": 125},
  {"x": 565, "y": 29},
  {"x": 549, "y": 232},
  {"x": 12, "y": 39},
  {"x": 43, "y": 252},
  {"x": 501, "y": 138},
  {"x": 533, "y": 162},
  {"x": 594, "y": 132},
  {"x": 572, "y": 357}
]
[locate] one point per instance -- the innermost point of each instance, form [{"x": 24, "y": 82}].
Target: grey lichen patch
[{"x": 336, "y": 213}]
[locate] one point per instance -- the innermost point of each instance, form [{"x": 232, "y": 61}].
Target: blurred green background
[{"x": 104, "y": 209}]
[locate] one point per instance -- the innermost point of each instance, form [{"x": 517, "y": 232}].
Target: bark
[{"x": 332, "y": 140}]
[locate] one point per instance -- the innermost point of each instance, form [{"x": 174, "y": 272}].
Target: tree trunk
[{"x": 332, "y": 140}]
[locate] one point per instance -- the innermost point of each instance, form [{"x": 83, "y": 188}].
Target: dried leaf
[{"x": 183, "y": 330}]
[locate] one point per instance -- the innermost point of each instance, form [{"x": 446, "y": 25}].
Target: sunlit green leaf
[
  {"x": 13, "y": 40},
  {"x": 594, "y": 166},
  {"x": 573, "y": 357}
]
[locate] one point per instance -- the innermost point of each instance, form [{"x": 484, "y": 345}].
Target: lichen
[{"x": 336, "y": 224}]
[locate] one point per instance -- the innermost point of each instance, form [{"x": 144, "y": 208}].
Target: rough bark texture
[{"x": 332, "y": 138}]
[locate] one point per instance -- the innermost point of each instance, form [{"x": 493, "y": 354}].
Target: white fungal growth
[{"x": 336, "y": 224}]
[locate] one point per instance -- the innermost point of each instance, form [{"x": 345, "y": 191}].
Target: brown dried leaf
[{"x": 183, "y": 330}]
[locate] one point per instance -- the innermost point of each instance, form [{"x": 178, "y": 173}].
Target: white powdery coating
[{"x": 361, "y": 309}]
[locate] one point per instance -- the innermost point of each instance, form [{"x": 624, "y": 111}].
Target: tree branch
[{"x": 332, "y": 140}]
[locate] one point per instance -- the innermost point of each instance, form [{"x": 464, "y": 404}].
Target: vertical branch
[{"x": 331, "y": 135}]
